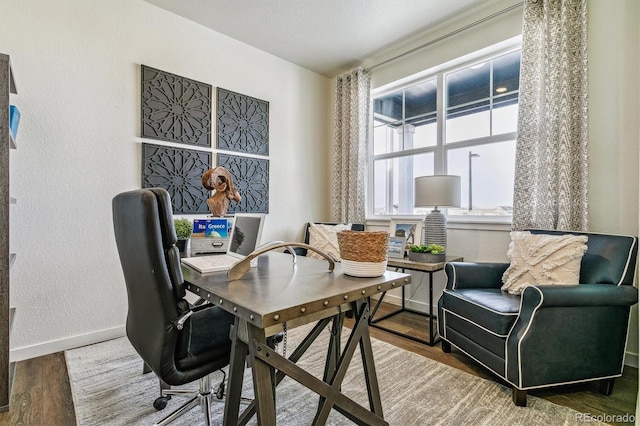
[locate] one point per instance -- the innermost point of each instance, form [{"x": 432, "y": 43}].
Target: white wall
[
  {"x": 613, "y": 43},
  {"x": 614, "y": 109},
  {"x": 77, "y": 65}
]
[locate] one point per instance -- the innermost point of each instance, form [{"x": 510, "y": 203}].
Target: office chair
[{"x": 179, "y": 342}]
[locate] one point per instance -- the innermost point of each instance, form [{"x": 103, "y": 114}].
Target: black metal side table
[{"x": 429, "y": 268}]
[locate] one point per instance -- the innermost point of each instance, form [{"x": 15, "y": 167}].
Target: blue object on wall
[{"x": 14, "y": 120}]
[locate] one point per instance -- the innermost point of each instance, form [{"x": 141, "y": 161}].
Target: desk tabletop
[
  {"x": 421, "y": 266},
  {"x": 277, "y": 291}
]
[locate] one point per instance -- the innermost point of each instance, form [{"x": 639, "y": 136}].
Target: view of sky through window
[{"x": 478, "y": 137}]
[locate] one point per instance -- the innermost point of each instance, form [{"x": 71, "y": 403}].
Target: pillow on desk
[
  {"x": 325, "y": 238},
  {"x": 541, "y": 259}
]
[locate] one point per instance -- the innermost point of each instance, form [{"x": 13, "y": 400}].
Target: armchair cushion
[
  {"x": 539, "y": 259},
  {"x": 488, "y": 308}
]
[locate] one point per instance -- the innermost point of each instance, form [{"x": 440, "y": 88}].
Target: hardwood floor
[{"x": 42, "y": 393}]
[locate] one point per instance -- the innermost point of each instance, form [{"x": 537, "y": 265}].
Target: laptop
[{"x": 244, "y": 239}]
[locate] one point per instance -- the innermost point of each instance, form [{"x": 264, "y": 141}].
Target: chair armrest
[
  {"x": 579, "y": 295},
  {"x": 564, "y": 325},
  {"x": 186, "y": 315},
  {"x": 474, "y": 275}
]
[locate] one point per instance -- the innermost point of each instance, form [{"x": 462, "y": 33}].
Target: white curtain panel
[
  {"x": 350, "y": 146},
  {"x": 550, "y": 189}
]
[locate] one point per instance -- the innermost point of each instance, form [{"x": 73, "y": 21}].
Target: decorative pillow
[
  {"x": 325, "y": 238},
  {"x": 542, "y": 259}
]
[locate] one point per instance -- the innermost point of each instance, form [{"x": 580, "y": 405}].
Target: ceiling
[{"x": 325, "y": 36}]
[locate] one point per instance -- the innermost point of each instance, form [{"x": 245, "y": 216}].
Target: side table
[{"x": 403, "y": 265}]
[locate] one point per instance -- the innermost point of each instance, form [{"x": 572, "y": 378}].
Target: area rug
[{"x": 109, "y": 388}]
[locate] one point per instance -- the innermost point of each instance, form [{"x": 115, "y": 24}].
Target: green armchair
[{"x": 552, "y": 334}]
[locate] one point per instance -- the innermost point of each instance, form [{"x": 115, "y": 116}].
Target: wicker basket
[{"x": 363, "y": 253}]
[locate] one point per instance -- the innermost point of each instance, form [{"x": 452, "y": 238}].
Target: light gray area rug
[{"x": 109, "y": 388}]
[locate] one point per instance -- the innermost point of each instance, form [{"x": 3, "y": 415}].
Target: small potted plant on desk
[
  {"x": 183, "y": 228},
  {"x": 432, "y": 253}
]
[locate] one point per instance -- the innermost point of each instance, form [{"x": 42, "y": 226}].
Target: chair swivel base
[{"x": 202, "y": 397}]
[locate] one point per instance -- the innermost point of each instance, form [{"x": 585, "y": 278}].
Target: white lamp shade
[{"x": 437, "y": 191}]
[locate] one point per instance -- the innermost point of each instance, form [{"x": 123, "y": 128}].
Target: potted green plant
[
  {"x": 431, "y": 253},
  {"x": 184, "y": 228}
]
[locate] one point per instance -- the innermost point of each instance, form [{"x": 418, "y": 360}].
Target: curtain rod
[{"x": 452, "y": 33}]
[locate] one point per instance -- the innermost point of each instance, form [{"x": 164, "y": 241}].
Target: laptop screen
[{"x": 246, "y": 233}]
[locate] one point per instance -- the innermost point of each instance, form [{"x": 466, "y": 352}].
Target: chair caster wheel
[{"x": 161, "y": 402}]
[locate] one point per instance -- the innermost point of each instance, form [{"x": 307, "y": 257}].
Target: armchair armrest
[
  {"x": 579, "y": 295},
  {"x": 586, "y": 322},
  {"x": 474, "y": 275}
]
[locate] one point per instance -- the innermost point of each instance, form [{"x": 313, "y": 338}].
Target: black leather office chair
[
  {"x": 178, "y": 342},
  {"x": 551, "y": 335}
]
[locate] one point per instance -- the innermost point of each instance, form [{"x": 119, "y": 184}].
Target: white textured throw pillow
[
  {"x": 541, "y": 259},
  {"x": 325, "y": 238}
]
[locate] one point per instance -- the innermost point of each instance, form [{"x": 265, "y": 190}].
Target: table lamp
[{"x": 436, "y": 191}]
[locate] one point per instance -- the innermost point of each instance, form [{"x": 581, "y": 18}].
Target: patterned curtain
[
  {"x": 550, "y": 189},
  {"x": 350, "y": 146}
]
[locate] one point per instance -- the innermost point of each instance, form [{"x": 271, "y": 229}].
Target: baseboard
[
  {"x": 630, "y": 359},
  {"x": 411, "y": 304},
  {"x": 53, "y": 346}
]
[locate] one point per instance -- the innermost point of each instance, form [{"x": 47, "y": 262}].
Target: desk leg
[
  {"x": 239, "y": 351},
  {"x": 366, "y": 351},
  {"x": 263, "y": 377},
  {"x": 333, "y": 352},
  {"x": 302, "y": 348},
  {"x": 359, "y": 337}
]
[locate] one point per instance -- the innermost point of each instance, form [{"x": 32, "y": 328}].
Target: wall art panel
[
  {"x": 175, "y": 108},
  {"x": 251, "y": 178},
  {"x": 242, "y": 123},
  {"x": 179, "y": 171}
]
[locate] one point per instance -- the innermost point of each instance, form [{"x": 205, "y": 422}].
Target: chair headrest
[
  {"x": 165, "y": 215},
  {"x": 609, "y": 259}
]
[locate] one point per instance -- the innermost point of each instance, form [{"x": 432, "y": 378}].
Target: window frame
[{"x": 441, "y": 148}]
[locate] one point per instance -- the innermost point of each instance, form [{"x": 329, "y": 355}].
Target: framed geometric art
[
  {"x": 242, "y": 123},
  {"x": 174, "y": 108},
  {"x": 251, "y": 178},
  {"x": 179, "y": 171}
]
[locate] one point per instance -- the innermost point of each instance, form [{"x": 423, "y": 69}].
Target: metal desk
[
  {"x": 277, "y": 293},
  {"x": 406, "y": 264}
]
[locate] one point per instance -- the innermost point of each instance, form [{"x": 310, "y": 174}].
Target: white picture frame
[
  {"x": 411, "y": 229},
  {"x": 397, "y": 247}
]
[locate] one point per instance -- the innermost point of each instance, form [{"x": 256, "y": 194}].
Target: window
[{"x": 459, "y": 121}]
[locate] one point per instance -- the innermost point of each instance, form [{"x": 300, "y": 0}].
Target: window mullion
[
  {"x": 491, "y": 91},
  {"x": 439, "y": 159}
]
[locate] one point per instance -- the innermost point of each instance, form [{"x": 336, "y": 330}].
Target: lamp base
[{"x": 435, "y": 228}]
